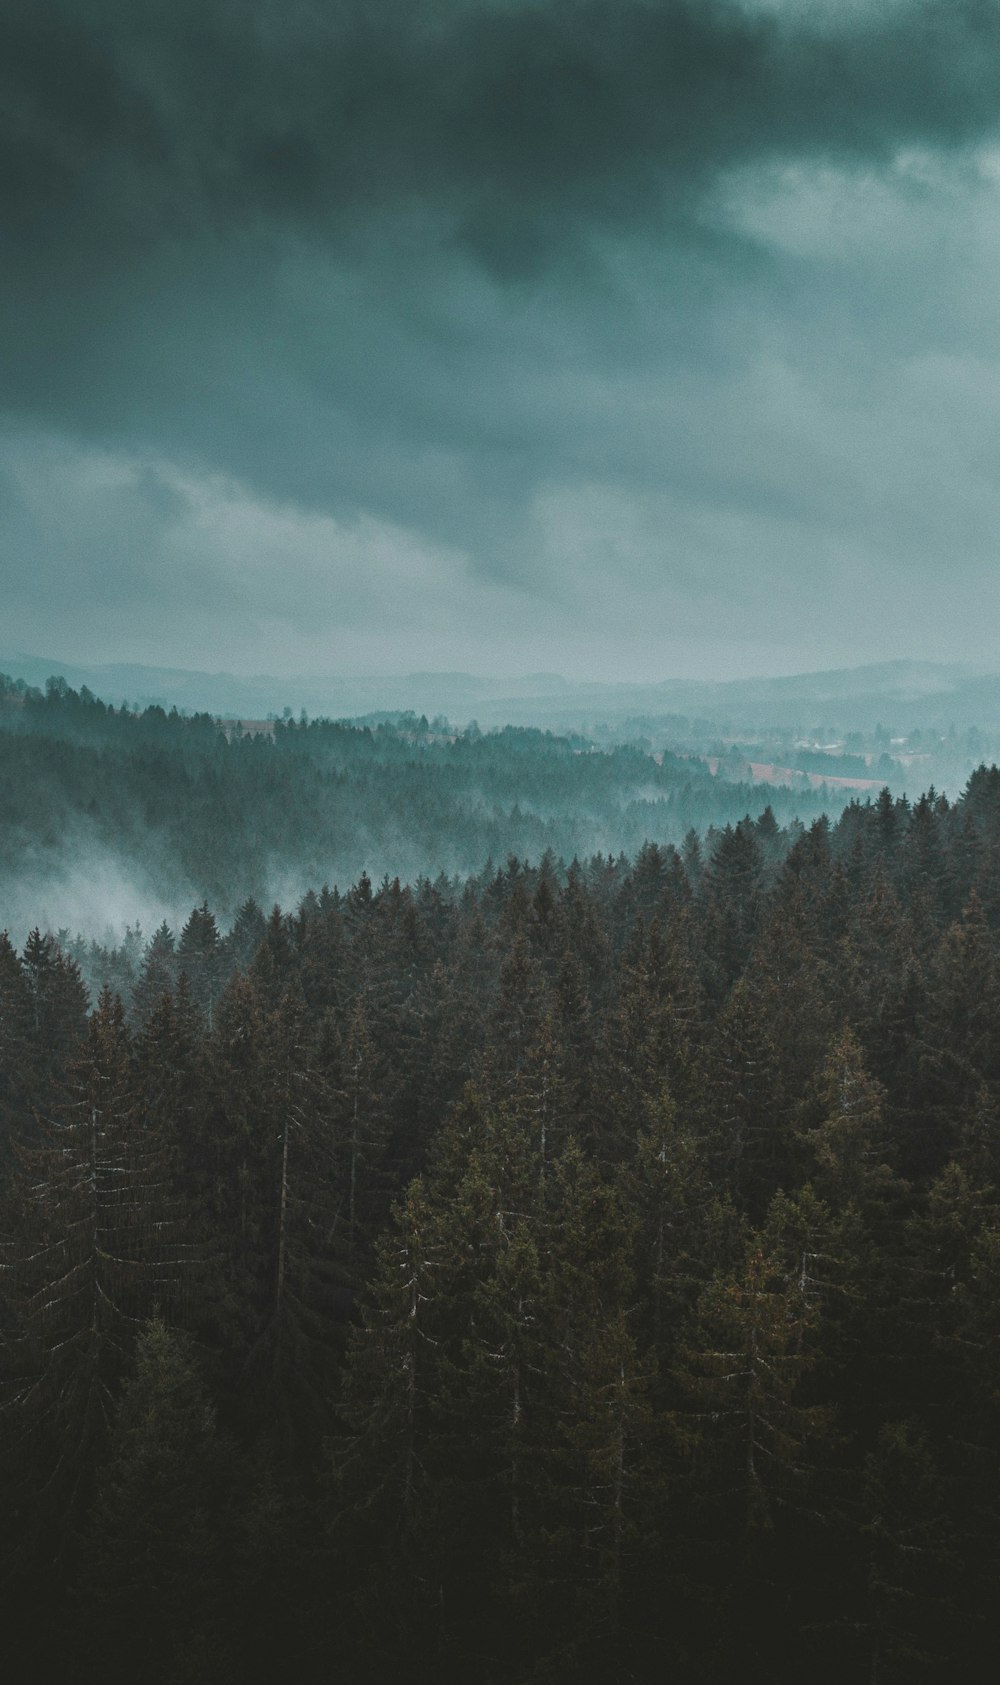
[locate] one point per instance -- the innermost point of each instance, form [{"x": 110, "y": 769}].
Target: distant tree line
[
  {"x": 191, "y": 810},
  {"x": 586, "y": 1273}
]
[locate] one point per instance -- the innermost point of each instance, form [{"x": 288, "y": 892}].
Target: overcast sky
[{"x": 623, "y": 338}]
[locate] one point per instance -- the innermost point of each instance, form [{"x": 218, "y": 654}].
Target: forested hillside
[
  {"x": 163, "y": 811},
  {"x": 583, "y": 1273}
]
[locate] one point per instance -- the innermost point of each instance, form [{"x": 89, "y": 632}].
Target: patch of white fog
[{"x": 93, "y": 895}]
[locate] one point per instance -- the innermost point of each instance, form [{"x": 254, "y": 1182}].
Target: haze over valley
[{"x": 274, "y": 807}]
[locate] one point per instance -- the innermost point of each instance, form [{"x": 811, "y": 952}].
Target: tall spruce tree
[
  {"x": 94, "y": 1253},
  {"x": 150, "y": 1598}
]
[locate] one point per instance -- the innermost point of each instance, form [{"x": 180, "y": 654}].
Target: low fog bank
[
  {"x": 115, "y": 817},
  {"x": 95, "y": 896}
]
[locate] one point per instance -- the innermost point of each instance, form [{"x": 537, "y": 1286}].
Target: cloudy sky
[{"x": 624, "y": 338}]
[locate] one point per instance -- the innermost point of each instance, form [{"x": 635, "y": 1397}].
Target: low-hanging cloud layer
[{"x": 625, "y": 337}]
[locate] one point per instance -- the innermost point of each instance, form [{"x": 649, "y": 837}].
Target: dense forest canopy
[{"x": 582, "y": 1272}]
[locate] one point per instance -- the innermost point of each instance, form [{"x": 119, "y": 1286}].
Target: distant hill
[
  {"x": 897, "y": 694},
  {"x": 114, "y": 815}
]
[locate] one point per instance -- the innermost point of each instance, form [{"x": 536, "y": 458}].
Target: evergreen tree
[
  {"x": 18, "y": 1055},
  {"x": 200, "y": 957},
  {"x": 752, "y": 1130},
  {"x": 755, "y": 1444},
  {"x": 93, "y": 1254},
  {"x": 150, "y": 1596},
  {"x": 157, "y": 976},
  {"x": 911, "y": 1561}
]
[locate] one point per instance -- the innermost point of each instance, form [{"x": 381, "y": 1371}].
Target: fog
[
  {"x": 85, "y": 893},
  {"x": 120, "y": 817}
]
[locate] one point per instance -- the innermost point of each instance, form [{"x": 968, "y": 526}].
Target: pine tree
[
  {"x": 742, "y": 1364},
  {"x": 684, "y": 1229},
  {"x": 848, "y": 1144},
  {"x": 95, "y": 1251},
  {"x": 150, "y": 1596},
  {"x": 18, "y": 1057},
  {"x": 58, "y": 1011},
  {"x": 360, "y": 1134},
  {"x": 753, "y": 1137},
  {"x": 912, "y": 1565},
  {"x": 246, "y": 936},
  {"x": 755, "y": 1444},
  {"x": 200, "y": 956},
  {"x": 383, "y": 1484},
  {"x": 588, "y": 1514},
  {"x": 515, "y": 1017},
  {"x": 309, "y": 1201},
  {"x": 158, "y": 975},
  {"x": 959, "y": 1050},
  {"x": 732, "y": 887}
]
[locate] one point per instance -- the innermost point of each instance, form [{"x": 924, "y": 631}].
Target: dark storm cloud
[
  {"x": 167, "y": 119},
  {"x": 470, "y": 313}
]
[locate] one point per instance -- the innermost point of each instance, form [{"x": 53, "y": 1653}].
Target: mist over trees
[
  {"x": 585, "y": 1271},
  {"x": 112, "y": 815}
]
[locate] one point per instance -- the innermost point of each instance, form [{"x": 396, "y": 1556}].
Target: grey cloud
[
  {"x": 569, "y": 314},
  {"x": 170, "y": 119}
]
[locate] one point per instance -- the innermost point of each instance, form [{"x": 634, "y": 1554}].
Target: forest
[
  {"x": 584, "y": 1271},
  {"x": 176, "y": 810}
]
